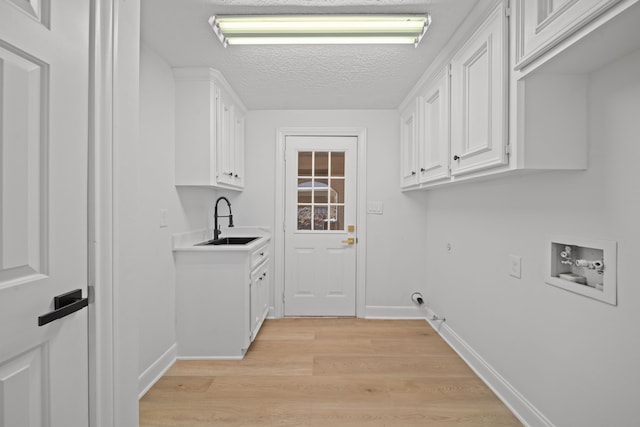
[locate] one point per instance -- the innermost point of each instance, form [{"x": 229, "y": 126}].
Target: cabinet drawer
[{"x": 259, "y": 255}]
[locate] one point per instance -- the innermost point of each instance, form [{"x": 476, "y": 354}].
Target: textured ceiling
[{"x": 301, "y": 77}]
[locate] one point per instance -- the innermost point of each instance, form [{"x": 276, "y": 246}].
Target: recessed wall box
[{"x": 584, "y": 266}]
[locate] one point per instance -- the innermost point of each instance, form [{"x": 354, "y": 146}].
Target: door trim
[
  {"x": 112, "y": 316},
  {"x": 361, "y": 212},
  {"x": 102, "y": 376}
]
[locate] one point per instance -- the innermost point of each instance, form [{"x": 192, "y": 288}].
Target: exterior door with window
[
  {"x": 44, "y": 69},
  {"x": 320, "y": 226}
]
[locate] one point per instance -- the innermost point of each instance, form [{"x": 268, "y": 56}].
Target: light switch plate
[
  {"x": 164, "y": 218},
  {"x": 515, "y": 266},
  {"x": 374, "y": 208}
]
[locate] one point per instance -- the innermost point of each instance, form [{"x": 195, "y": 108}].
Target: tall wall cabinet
[{"x": 209, "y": 130}]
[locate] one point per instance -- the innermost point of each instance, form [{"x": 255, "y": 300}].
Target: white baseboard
[
  {"x": 397, "y": 312},
  {"x": 157, "y": 369},
  {"x": 210, "y": 357},
  {"x": 528, "y": 414}
]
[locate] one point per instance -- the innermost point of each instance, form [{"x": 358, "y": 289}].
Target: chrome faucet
[{"x": 216, "y": 228}]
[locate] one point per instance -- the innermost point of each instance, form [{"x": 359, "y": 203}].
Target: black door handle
[{"x": 64, "y": 305}]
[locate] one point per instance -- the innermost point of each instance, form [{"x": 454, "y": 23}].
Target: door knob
[
  {"x": 456, "y": 157},
  {"x": 349, "y": 241}
]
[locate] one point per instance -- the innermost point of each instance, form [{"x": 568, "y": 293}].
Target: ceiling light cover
[{"x": 320, "y": 29}]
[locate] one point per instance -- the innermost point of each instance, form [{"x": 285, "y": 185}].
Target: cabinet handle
[
  {"x": 422, "y": 169},
  {"x": 413, "y": 172},
  {"x": 229, "y": 173},
  {"x": 264, "y": 274},
  {"x": 261, "y": 253},
  {"x": 236, "y": 176},
  {"x": 456, "y": 157}
]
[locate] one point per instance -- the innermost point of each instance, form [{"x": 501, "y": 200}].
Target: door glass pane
[
  {"x": 304, "y": 217},
  {"x": 305, "y": 187},
  {"x": 337, "y": 164},
  {"x": 337, "y": 190},
  {"x": 305, "y": 163},
  {"x": 337, "y": 218},
  {"x": 321, "y": 217},
  {"x": 321, "y": 164},
  {"x": 321, "y": 191}
]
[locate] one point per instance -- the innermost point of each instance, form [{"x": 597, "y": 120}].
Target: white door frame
[
  {"x": 101, "y": 299},
  {"x": 361, "y": 210},
  {"x": 112, "y": 388}
]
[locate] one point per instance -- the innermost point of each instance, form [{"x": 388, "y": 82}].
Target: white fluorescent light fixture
[{"x": 320, "y": 29}]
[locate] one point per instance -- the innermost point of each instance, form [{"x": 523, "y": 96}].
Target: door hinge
[
  {"x": 507, "y": 149},
  {"x": 283, "y": 298},
  {"x": 507, "y": 9}
]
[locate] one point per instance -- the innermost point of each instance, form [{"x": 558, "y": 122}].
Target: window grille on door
[{"x": 321, "y": 190}]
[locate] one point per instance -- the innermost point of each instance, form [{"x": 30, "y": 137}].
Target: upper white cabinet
[
  {"x": 518, "y": 90},
  {"x": 542, "y": 24},
  {"x": 408, "y": 137},
  {"x": 209, "y": 144},
  {"x": 479, "y": 98},
  {"x": 456, "y": 123},
  {"x": 424, "y": 134},
  {"x": 231, "y": 147},
  {"x": 433, "y": 135}
]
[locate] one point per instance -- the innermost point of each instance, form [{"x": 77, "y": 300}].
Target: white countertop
[{"x": 187, "y": 241}]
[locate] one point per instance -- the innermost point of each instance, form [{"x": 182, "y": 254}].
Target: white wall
[
  {"x": 188, "y": 209},
  {"x": 574, "y": 358},
  {"x": 395, "y": 246},
  {"x": 125, "y": 279}
]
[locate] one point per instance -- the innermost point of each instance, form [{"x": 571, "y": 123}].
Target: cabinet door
[
  {"x": 254, "y": 306},
  {"x": 433, "y": 143},
  {"x": 264, "y": 293},
  {"x": 226, "y": 127},
  {"x": 479, "y": 98},
  {"x": 238, "y": 160},
  {"x": 542, "y": 24},
  {"x": 408, "y": 137},
  {"x": 259, "y": 296}
]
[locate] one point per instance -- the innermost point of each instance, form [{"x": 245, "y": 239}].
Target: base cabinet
[{"x": 222, "y": 299}]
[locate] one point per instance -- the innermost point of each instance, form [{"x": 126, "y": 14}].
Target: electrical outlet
[{"x": 515, "y": 266}]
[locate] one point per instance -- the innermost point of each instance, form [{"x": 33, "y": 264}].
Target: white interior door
[
  {"x": 320, "y": 226},
  {"x": 44, "y": 66}
]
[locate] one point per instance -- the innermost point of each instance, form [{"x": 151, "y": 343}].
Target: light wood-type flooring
[{"x": 329, "y": 372}]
